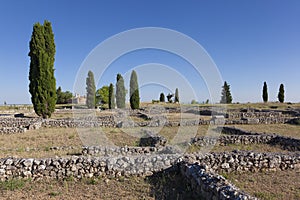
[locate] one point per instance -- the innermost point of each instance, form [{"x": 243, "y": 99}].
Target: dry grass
[
  {"x": 163, "y": 185},
  {"x": 269, "y": 185},
  {"x": 265, "y": 185},
  {"x": 253, "y": 147},
  {"x": 17, "y": 145},
  {"x": 269, "y": 105},
  {"x": 281, "y": 129},
  {"x": 97, "y": 188}
]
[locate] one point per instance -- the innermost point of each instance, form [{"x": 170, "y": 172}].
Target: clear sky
[{"x": 249, "y": 41}]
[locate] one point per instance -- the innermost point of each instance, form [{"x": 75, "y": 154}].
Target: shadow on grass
[{"x": 169, "y": 184}]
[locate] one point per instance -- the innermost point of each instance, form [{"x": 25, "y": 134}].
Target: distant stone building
[{"x": 77, "y": 99}]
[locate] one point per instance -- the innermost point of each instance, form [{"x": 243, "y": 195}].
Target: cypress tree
[
  {"x": 42, "y": 86},
  {"x": 265, "y": 92},
  {"x": 162, "y": 97},
  {"x": 281, "y": 93},
  {"x": 120, "y": 92},
  {"x": 176, "y": 100},
  {"x": 134, "y": 91},
  {"x": 90, "y": 91},
  {"x": 59, "y": 95},
  {"x": 111, "y": 97},
  {"x": 226, "y": 94}
]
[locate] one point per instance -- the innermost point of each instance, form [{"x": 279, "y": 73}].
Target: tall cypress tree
[
  {"x": 90, "y": 90},
  {"x": 59, "y": 95},
  {"x": 120, "y": 92},
  {"x": 162, "y": 97},
  {"x": 226, "y": 94},
  {"x": 134, "y": 91},
  {"x": 176, "y": 100},
  {"x": 111, "y": 97},
  {"x": 42, "y": 86},
  {"x": 281, "y": 93},
  {"x": 265, "y": 92}
]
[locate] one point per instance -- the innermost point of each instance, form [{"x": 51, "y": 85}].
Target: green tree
[
  {"x": 42, "y": 86},
  {"x": 176, "y": 100},
  {"x": 111, "y": 99},
  {"x": 194, "y": 101},
  {"x": 226, "y": 94},
  {"x": 102, "y": 95},
  {"x": 59, "y": 95},
  {"x": 265, "y": 92},
  {"x": 134, "y": 91},
  {"x": 169, "y": 97},
  {"x": 63, "y": 97},
  {"x": 162, "y": 97},
  {"x": 120, "y": 92},
  {"x": 281, "y": 93},
  {"x": 90, "y": 91}
]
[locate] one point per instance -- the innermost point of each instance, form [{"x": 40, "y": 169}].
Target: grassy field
[
  {"x": 269, "y": 185},
  {"x": 22, "y": 145},
  {"x": 280, "y": 129},
  {"x": 38, "y": 143},
  {"x": 167, "y": 185}
]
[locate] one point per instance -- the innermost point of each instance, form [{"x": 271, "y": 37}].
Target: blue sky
[{"x": 249, "y": 41}]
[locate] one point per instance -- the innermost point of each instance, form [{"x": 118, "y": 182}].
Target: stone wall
[
  {"x": 199, "y": 170},
  {"x": 126, "y": 151},
  {"x": 143, "y": 164},
  {"x": 6, "y": 122},
  {"x": 153, "y": 121},
  {"x": 209, "y": 185},
  {"x": 11, "y": 130},
  {"x": 100, "y": 121},
  {"x": 79, "y": 167},
  {"x": 237, "y": 136},
  {"x": 247, "y": 161},
  {"x": 118, "y": 151},
  {"x": 19, "y": 125}
]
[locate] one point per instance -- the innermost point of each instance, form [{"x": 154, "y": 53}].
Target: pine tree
[
  {"x": 226, "y": 94},
  {"x": 134, "y": 91},
  {"x": 111, "y": 97},
  {"x": 169, "y": 97},
  {"x": 176, "y": 100},
  {"x": 42, "y": 86},
  {"x": 265, "y": 92},
  {"x": 120, "y": 92},
  {"x": 102, "y": 95},
  {"x": 90, "y": 91},
  {"x": 162, "y": 97},
  {"x": 281, "y": 93}
]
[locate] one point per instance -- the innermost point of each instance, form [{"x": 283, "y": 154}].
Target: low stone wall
[
  {"x": 6, "y": 122},
  {"x": 101, "y": 121},
  {"x": 79, "y": 167},
  {"x": 52, "y": 148},
  {"x": 199, "y": 170},
  {"x": 118, "y": 121},
  {"x": 208, "y": 185},
  {"x": 11, "y": 130},
  {"x": 19, "y": 125},
  {"x": 142, "y": 164},
  {"x": 237, "y": 136},
  {"x": 118, "y": 151},
  {"x": 127, "y": 151},
  {"x": 288, "y": 143},
  {"x": 247, "y": 161}
]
